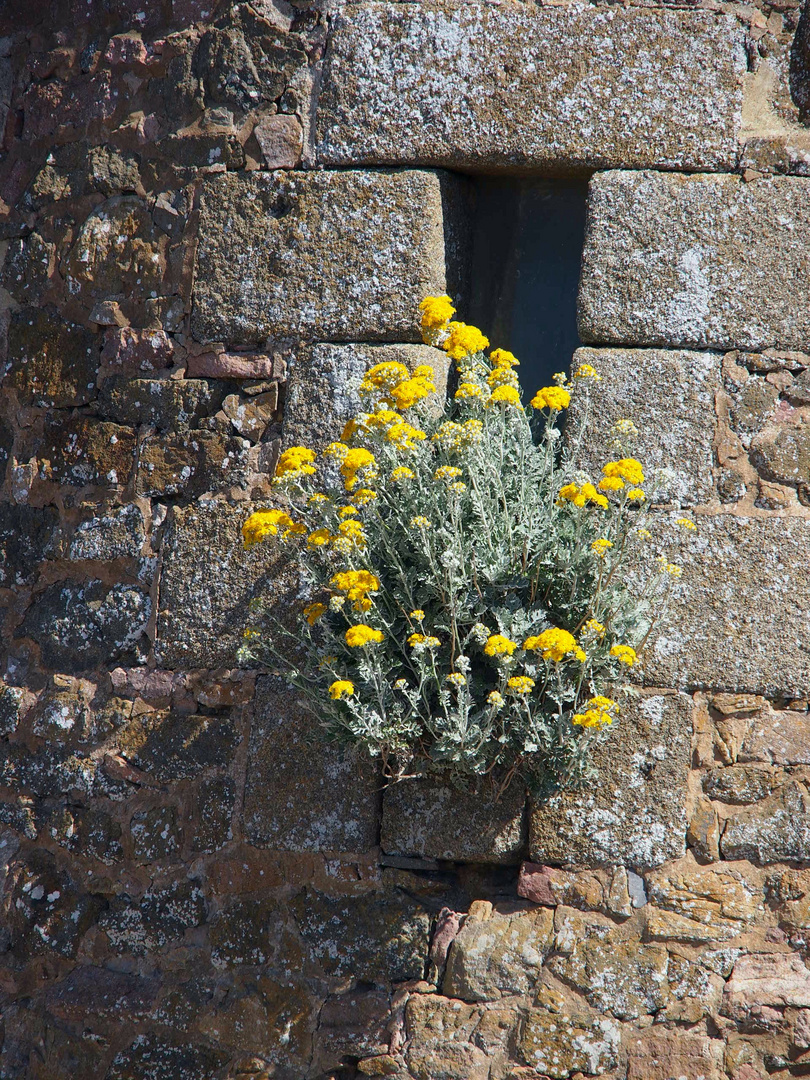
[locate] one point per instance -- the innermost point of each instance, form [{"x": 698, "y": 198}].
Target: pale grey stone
[
  {"x": 302, "y": 795},
  {"x": 330, "y": 255},
  {"x": 323, "y": 382},
  {"x": 737, "y": 618},
  {"x": 669, "y": 396},
  {"x": 518, "y": 85},
  {"x": 777, "y": 829},
  {"x": 432, "y": 819},
  {"x": 633, "y": 813},
  {"x": 499, "y": 956},
  {"x": 702, "y": 261},
  {"x": 208, "y": 580}
]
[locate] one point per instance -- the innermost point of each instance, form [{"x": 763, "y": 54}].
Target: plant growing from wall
[{"x": 467, "y": 600}]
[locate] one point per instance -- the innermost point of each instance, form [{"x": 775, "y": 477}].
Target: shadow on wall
[{"x": 527, "y": 250}]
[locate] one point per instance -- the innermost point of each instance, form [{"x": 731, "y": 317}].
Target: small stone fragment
[{"x": 281, "y": 139}]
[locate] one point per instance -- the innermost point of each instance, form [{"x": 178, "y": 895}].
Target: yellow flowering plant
[{"x": 471, "y": 602}]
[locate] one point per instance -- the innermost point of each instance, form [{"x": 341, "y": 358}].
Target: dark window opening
[{"x": 526, "y": 253}]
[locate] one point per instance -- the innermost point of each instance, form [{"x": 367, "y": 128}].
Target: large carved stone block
[
  {"x": 669, "y": 395},
  {"x": 207, "y": 583},
  {"x": 633, "y": 814},
  {"x": 704, "y": 261},
  {"x": 327, "y": 255},
  {"x": 302, "y": 795},
  {"x": 737, "y": 619},
  {"x": 515, "y": 85}
]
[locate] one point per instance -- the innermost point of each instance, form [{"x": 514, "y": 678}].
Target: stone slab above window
[
  {"x": 700, "y": 261},
  {"x": 335, "y": 256},
  {"x": 475, "y": 85}
]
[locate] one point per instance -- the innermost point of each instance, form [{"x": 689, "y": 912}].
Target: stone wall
[{"x": 213, "y": 217}]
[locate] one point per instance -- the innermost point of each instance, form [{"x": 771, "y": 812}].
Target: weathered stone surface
[
  {"x": 135, "y": 352},
  {"x": 160, "y": 916},
  {"x": 372, "y": 938},
  {"x": 464, "y": 84},
  {"x": 151, "y": 1056},
  {"x": 765, "y": 979},
  {"x": 12, "y": 707},
  {"x": 246, "y": 932},
  {"x": 100, "y": 992},
  {"x": 204, "y": 602},
  {"x": 79, "y": 625},
  {"x": 777, "y": 829},
  {"x": 87, "y": 451},
  {"x": 498, "y": 956},
  {"x": 782, "y": 738},
  {"x": 741, "y": 577},
  {"x": 322, "y": 390},
  {"x": 89, "y": 831},
  {"x": 726, "y": 898},
  {"x": 118, "y": 251},
  {"x": 616, "y": 972},
  {"x": 703, "y": 834},
  {"x": 431, "y": 818},
  {"x": 156, "y": 834},
  {"x": 782, "y": 454},
  {"x": 634, "y": 814},
  {"x": 353, "y": 1023},
  {"x": 174, "y": 746},
  {"x": 740, "y": 784},
  {"x": 663, "y": 1055},
  {"x": 297, "y": 800},
  {"x": 51, "y": 362},
  {"x": 327, "y": 254},
  {"x": 561, "y": 1037},
  {"x": 215, "y": 798},
  {"x": 669, "y": 395},
  {"x": 190, "y": 464},
  {"x": 694, "y": 991},
  {"x": 166, "y": 404},
  {"x": 42, "y": 907},
  {"x": 224, "y": 365},
  {"x": 115, "y": 535},
  {"x": 705, "y": 261},
  {"x": 440, "y": 1030},
  {"x": 281, "y": 139},
  {"x": 28, "y": 535}
]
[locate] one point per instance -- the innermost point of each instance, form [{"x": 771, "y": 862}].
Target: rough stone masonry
[{"x": 214, "y": 215}]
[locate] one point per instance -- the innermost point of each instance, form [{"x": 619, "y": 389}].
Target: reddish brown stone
[
  {"x": 133, "y": 351},
  {"x": 235, "y": 366},
  {"x": 534, "y": 883},
  {"x": 281, "y": 139},
  {"x": 88, "y": 451}
]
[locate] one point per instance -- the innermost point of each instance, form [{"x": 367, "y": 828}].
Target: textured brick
[
  {"x": 737, "y": 619},
  {"x": 517, "y": 85},
  {"x": 296, "y": 800},
  {"x": 669, "y": 395},
  {"x": 633, "y": 814},
  {"x": 208, "y": 581},
  {"x": 706, "y": 261},
  {"x": 334, "y": 255}
]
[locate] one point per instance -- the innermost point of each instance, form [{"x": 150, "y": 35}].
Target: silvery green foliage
[{"x": 490, "y": 549}]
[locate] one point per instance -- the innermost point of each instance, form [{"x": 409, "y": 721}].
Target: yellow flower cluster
[
  {"x": 599, "y": 712},
  {"x": 447, "y": 473},
  {"x": 624, "y": 654},
  {"x": 455, "y": 437},
  {"x": 406, "y": 393},
  {"x": 354, "y": 461},
  {"x": 593, "y": 626},
  {"x": 313, "y": 612},
  {"x": 360, "y": 635},
  {"x": 520, "y": 684},
  {"x": 555, "y": 644},
  {"x": 587, "y": 371},
  {"x": 295, "y": 463},
  {"x": 551, "y": 397},
  {"x": 456, "y": 679},
  {"x": 463, "y": 341},
  {"x": 601, "y": 546},
  {"x": 270, "y": 523},
  {"x": 685, "y": 523},
  {"x": 502, "y": 376},
  {"x": 437, "y": 311},
  {"x": 505, "y": 395},
  {"x": 628, "y": 470},
  {"x": 468, "y": 391},
  {"x": 503, "y": 358},
  {"x": 341, "y": 688},
  {"x": 382, "y": 377},
  {"x": 356, "y": 584},
  {"x": 580, "y": 495},
  {"x": 496, "y": 700},
  {"x": 498, "y": 645},
  {"x": 402, "y": 472},
  {"x": 420, "y": 522},
  {"x": 424, "y": 640}
]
